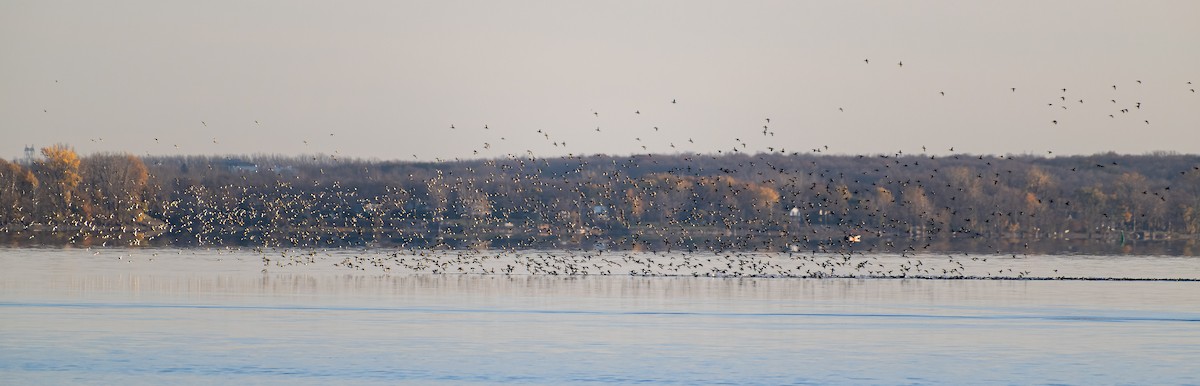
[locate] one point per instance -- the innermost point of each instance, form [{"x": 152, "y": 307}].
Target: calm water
[{"x": 117, "y": 316}]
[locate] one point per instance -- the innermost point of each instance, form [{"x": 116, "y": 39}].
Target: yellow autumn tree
[
  {"x": 59, "y": 174},
  {"x": 884, "y": 201},
  {"x": 765, "y": 197}
]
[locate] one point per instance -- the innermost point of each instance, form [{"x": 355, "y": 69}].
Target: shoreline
[{"x": 518, "y": 240}]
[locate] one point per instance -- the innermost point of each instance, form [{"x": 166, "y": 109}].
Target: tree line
[
  {"x": 758, "y": 201},
  {"x": 63, "y": 190}
]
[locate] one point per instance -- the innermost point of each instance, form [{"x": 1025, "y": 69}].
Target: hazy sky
[{"x": 387, "y": 79}]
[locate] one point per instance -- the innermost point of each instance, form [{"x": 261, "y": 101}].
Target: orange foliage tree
[
  {"x": 16, "y": 188},
  {"x": 59, "y": 174}
]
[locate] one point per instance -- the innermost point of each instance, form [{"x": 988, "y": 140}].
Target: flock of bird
[
  {"x": 1120, "y": 107},
  {"x": 730, "y": 264},
  {"x": 1125, "y": 104}
]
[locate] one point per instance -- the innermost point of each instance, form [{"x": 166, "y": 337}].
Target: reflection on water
[{"x": 203, "y": 317}]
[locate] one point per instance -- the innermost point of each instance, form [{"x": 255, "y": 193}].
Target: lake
[{"x": 245, "y": 316}]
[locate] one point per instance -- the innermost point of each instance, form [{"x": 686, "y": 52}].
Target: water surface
[{"x": 156, "y": 316}]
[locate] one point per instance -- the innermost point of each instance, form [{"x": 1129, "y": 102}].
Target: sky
[{"x": 443, "y": 80}]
